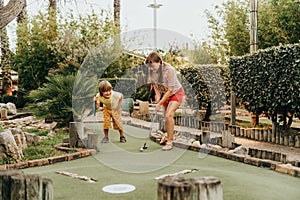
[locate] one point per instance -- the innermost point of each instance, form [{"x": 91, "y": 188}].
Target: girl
[{"x": 168, "y": 92}]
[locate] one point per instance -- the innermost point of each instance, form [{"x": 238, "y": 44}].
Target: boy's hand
[{"x": 95, "y": 98}]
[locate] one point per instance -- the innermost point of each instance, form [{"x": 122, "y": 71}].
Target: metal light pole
[
  {"x": 253, "y": 48},
  {"x": 155, "y": 6},
  {"x": 253, "y": 44},
  {"x": 253, "y": 26}
]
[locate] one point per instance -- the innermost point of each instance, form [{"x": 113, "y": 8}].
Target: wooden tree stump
[
  {"x": 92, "y": 141},
  {"x": 18, "y": 186},
  {"x": 76, "y": 134},
  {"x": 34, "y": 187},
  {"x": 3, "y": 114},
  {"x": 47, "y": 189},
  {"x": 178, "y": 188}
]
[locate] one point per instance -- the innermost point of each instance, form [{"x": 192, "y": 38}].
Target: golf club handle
[{"x": 94, "y": 108}]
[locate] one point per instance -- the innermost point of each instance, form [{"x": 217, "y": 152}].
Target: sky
[{"x": 185, "y": 17}]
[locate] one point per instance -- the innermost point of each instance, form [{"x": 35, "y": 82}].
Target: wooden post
[
  {"x": 232, "y": 108},
  {"x": 76, "y": 130},
  {"x": 3, "y": 114},
  {"x": 6, "y": 183},
  {"x": 34, "y": 187},
  {"x": 16, "y": 185},
  {"x": 92, "y": 141},
  {"x": 47, "y": 189},
  {"x": 178, "y": 188}
]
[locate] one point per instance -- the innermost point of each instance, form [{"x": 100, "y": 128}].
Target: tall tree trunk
[
  {"x": 21, "y": 17},
  {"x": 117, "y": 13},
  {"x": 4, "y": 56},
  {"x": 117, "y": 39},
  {"x": 10, "y": 11},
  {"x": 52, "y": 19}
]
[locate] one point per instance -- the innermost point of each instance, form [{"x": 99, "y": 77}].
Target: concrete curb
[
  {"x": 81, "y": 153},
  {"x": 270, "y": 164}
]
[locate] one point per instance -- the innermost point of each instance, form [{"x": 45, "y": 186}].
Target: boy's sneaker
[
  {"x": 123, "y": 139},
  {"x": 105, "y": 140}
]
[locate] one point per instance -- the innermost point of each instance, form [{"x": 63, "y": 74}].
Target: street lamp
[{"x": 155, "y": 6}]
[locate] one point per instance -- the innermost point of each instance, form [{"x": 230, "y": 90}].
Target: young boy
[{"x": 112, "y": 102}]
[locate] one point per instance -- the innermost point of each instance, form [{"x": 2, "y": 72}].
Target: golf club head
[{"x": 145, "y": 146}]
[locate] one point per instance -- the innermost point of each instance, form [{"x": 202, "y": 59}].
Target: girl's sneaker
[
  {"x": 105, "y": 140},
  {"x": 168, "y": 147}
]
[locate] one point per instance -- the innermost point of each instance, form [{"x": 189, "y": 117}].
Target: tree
[
  {"x": 34, "y": 57},
  {"x": 52, "y": 19},
  {"x": 229, "y": 31},
  {"x": 237, "y": 27},
  {"x": 5, "y": 56},
  {"x": 217, "y": 46},
  {"x": 278, "y": 23},
  {"x": 11, "y": 11},
  {"x": 117, "y": 9},
  {"x": 53, "y": 100}
]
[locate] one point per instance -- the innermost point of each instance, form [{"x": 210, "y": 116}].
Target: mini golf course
[{"x": 123, "y": 164}]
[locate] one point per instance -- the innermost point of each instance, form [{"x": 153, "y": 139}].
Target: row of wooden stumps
[
  {"x": 179, "y": 188},
  {"x": 15, "y": 185}
]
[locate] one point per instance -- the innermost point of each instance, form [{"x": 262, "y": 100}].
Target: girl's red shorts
[{"x": 178, "y": 96}]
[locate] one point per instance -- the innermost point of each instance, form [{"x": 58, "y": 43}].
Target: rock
[
  {"x": 19, "y": 137},
  {"x": 11, "y": 107},
  {"x": 53, "y": 125},
  {"x": 214, "y": 146},
  {"x": 31, "y": 138},
  {"x": 239, "y": 150},
  {"x": 196, "y": 143},
  {"x": 11, "y": 148}
]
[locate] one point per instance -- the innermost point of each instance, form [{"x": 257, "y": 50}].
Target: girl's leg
[{"x": 169, "y": 117}]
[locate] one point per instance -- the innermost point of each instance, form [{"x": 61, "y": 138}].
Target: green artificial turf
[{"x": 119, "y": 163}]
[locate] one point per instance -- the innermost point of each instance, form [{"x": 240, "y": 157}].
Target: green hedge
[
  {"x": 207, "y": 86},
  {"x": 269, "y": 80}
]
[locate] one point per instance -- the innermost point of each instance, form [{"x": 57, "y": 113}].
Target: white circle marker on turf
[{"x": 118, "y": 188}]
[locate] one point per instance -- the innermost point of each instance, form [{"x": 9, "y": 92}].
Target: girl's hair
[
  {"x": 155, "y": 57},
  {"x": 104, "y": 86}
]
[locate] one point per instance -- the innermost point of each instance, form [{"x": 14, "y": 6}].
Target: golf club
[{"x": 142, "y": 148}]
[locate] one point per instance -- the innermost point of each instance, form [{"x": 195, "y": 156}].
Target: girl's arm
[
  {"x": 169, "y": 92},
  {"x": 157, "y": 93},
  {"x": 164, "y": 98}
]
